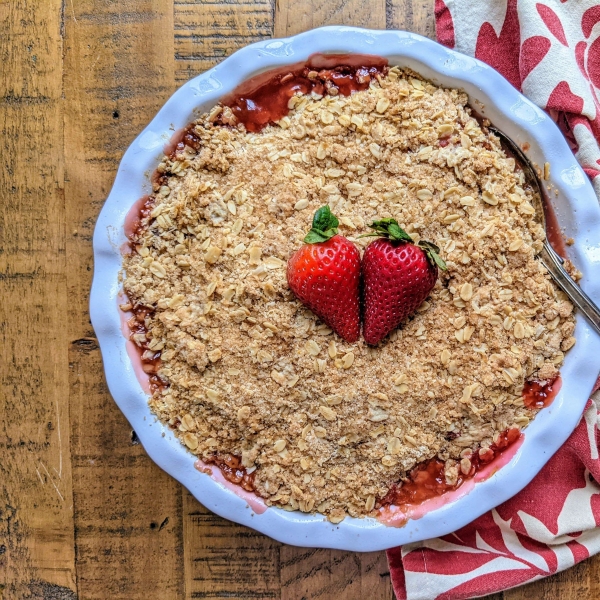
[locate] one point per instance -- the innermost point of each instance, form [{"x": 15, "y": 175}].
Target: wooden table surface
[{"x": 84, "y": 513}]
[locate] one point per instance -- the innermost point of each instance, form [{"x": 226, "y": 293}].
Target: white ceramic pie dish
[{"x": 576, "y": 207}]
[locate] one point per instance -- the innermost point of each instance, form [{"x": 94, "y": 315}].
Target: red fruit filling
[
  {"x": 264, "y": 99},
  {"x": 427, "y": 480},
  {"x": 184, "y": 137},
  {"x": 539, "y": 394}
]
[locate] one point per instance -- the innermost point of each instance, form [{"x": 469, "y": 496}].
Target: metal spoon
[{"x": 547, "y": 255}]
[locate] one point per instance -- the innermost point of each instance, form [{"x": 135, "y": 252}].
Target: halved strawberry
[
  {"x": 397, "y": 276},
  {"x": 325, "y": 276}
]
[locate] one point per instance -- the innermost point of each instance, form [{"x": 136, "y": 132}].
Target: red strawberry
[
  {"x": 325, "y": 276},
  {"x": 397, "y": 276}
]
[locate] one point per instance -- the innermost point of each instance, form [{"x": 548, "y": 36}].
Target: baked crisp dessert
[{"x": 250, "y": 379}]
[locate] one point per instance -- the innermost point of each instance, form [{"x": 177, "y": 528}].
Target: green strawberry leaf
[
  {"x": 324, "y": 226},
  {"x": 324, "y": 219},
  {"x": 432, "y": 252},
  {"x": 388, "y": 228},
  {"x": 397, "y": 233},
  {"x": 314, "y": 236}
]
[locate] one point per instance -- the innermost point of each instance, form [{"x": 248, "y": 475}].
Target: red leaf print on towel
[
  {"x": 579, "y": 552},
  {"x": 549, "y": 511},
  {"x": 595, "y": 122},
  {"x": 593, "y": 126},
  {"x": 562, "y": 98},
  {"x": 444, "y": 25},
  {"x": 590, "y": 17},
  {"x": 593, "y": 62},
  {"x": 533, "y": 51},
  {"x": 580, "y": 57},
  {"x": 552, "y": 22},
  {"x": 502, "y": 52},
  {"x": 488, "y": 583}
]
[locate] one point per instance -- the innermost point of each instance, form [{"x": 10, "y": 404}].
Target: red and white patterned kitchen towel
[{"x": 550, "y": 51}]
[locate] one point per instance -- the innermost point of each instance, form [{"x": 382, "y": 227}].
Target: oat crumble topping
[{"x": 322, "y": 424}]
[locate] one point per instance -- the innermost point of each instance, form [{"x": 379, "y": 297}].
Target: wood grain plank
[
  {"x": 569, "y": 585},
  {"x": 208, "y": 31},
  {"x": 292, "y": 17},
  {"x": 323, "y": 574},
  {"x": 128, "y": 513},
  {"x": 36, "y": 512},
  {"x": 411, "y": 15},
  {"x": 122, "y": 60},
  {"x": 593, "y": 566},
  {"x": 226, "y": 560}
]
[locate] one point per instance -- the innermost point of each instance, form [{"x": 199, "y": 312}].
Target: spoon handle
[{"x": 554, "y": 263}]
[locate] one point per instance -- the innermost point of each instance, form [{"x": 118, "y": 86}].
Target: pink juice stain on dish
[
  {"x": 254, "y": 502},
  {"x": 132, "y": 350},
  {"x": 133, "y": 221},
  {"x": 133, "y": 218},
  {"x": 553, "y": 232}
]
